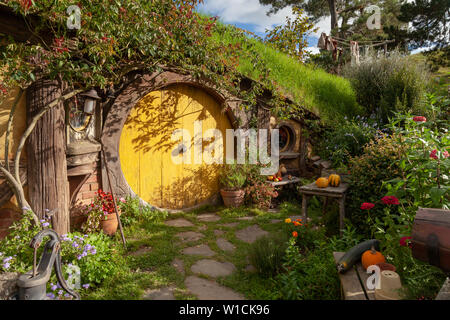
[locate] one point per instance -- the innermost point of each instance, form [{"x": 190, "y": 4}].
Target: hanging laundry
[
  {"x": 354, "y": 52},
  {"x": 322, "y": 43}
]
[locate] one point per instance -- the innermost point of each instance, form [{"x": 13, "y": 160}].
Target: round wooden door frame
[{"x": 122, "y": 107}]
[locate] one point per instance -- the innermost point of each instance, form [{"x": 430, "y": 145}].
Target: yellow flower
[{"x": 288, "y": 220}]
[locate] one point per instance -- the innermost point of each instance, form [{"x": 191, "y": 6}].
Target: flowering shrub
[
  {"x": 378, "y": 163},
  {"x": 95, "y": 254},
  {"x": 98, "y": 210},
  {"x": 424, "y": 164},
  {"x": 260, "y": 194}
]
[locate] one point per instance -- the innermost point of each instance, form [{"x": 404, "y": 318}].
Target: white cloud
[
  {"x": 313, "y": 50},
  {"x": 245, "y": 12}
]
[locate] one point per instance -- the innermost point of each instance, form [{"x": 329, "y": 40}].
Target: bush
[
  {"x": 346, "y": 139},
  {"x": 266, "y": 254},
  {"x": 378, "y": 163},
  {"x": 309, "y": 276},
  {"x": 95, "y": 254},
  {"x": 134, "y": 212},
  {"x": 388, "y": 84}
]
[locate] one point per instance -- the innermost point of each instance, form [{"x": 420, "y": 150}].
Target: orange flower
[{"x": 295, "y": 234}]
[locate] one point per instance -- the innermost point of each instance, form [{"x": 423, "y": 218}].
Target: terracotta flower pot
[
  {"x": 232, "y": 198},
  {"x": 110, "y": 223}
]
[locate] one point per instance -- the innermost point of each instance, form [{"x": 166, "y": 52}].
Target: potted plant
[
  {"x": 232, "y": 180},
  {"x": 101, "y": 214}
]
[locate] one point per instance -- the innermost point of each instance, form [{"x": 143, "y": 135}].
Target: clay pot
[
  {"x": 386, "y": 266},
  {"x": 110, "y": 223},
  {"x": 232, "y": 198}
]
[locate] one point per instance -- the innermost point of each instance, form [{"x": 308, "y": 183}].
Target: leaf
[{"x": 436, "y": 194}]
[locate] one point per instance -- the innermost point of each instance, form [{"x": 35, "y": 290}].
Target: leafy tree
[
  {"x": 430, "y": 22},
  {"x": 291, "y": 38}
]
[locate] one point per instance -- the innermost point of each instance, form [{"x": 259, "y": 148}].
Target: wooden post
[
  {"x": 341, "y": 214},
  {"x": 48, "y": 185},
  {"x": 304, "y": 207}
]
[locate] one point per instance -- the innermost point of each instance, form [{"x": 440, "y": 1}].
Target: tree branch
[{"x": 9, "y": 126}]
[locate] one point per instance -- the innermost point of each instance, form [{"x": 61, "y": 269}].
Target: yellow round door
[{"x": 158, "y": 161}]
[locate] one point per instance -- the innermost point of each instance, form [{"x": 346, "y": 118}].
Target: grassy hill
[{"x": 327, "y": 95}]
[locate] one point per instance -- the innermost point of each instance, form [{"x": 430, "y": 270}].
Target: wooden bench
[{"x": 353, "y": 282}]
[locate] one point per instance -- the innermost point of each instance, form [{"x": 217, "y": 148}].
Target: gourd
[
  {"x": 334, "y": 180},
  {"x": 322, "y": 182},
  {"x": 371, "y": 257},
  {"x": 354, "y": 254}
]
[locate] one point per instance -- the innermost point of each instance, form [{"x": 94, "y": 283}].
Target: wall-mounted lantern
[{"x": 89, "y": 103}]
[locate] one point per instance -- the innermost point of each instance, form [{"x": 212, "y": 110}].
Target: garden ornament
[{"x": 33, "y": 284}]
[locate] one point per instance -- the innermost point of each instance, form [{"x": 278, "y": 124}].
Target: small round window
[{"x": 286, "y": 138}]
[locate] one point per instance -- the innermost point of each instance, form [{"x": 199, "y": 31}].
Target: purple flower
[
  {"x": 51, "y": 295},
  {"x": 86, "y": 286},
  {"x": 53, "y": 287},
  {"x": 94, "y": 251},
  {"x": 60, "y": 293},
  {"x": 75, "y": 245},
  {"x": 7, "y": 259},
  {"x": 6, "y": 265},
  {"x": 45, "y": 224}
]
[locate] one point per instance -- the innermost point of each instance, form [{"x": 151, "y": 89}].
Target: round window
[{"x": 286, "y": 138}]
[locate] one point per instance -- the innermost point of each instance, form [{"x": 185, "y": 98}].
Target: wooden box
[{"x": 431, "y": 237}]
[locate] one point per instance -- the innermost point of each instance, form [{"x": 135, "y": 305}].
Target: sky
[{"x": 252, "y": 16}]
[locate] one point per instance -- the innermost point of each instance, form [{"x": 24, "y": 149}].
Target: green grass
[{"x": 327, "y": 95}]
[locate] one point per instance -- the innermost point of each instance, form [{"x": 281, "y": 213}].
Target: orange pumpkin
[
  {"x": 371, "y": 257},
  {"x": 322, "y": 182},
  {"x": 334, "y": 180}
]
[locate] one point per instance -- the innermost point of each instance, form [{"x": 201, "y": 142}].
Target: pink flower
[
  {"x": 445, "y": 154},
  {"x": 433, "y": 154},
  {"x": 389, "y": 200},
  {"x": 404, "y": 241},
  {"x": 420, "y": 119},
  {"x": 367, "y": 206}
]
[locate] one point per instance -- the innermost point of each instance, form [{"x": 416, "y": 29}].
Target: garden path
[{"x": 207, "y": 243}]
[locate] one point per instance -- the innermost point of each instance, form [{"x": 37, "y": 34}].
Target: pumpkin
[
  {"x": 334, "y": 180},
  {"x": 371, "y": 257},
  {"x": 322, "y": 182}
]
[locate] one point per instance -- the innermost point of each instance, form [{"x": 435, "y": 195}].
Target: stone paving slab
[
  {"x": 208, "y": 217},
  {"x": 219, "y": 233},
  {"x": 245, "y": 218},
  {"x": 178, "y": 264},
  {"x": 159, "y": 294},
  {"x": 213, "y": 268},
  {"x": 275, "y": 221},
  {"x": 210, "y": 290},
  {"x": 180, "y": 222},
  {"x": 229, "y": 225},
  {"x": 142, "y": 250},
  {"x": 201, "y": 250},
  {"x": 189, "y": 236},
  {"x": 251, "y": 233},
  {"x": 225, "y": 245}
]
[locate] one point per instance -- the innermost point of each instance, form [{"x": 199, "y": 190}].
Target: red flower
[
  {"x": 433, "y": 154},
  {"x": 404, "y": 241},
  {"x": 390, "y": 200},
  {"x": 367, "y": 206},
  {"x": 420, "y": 119},
  {"x": 295, "y": 234}
]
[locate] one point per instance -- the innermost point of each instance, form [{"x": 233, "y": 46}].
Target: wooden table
[
  {"x": 337, "y": 193},
  {"x": 353, "y": 282}
]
